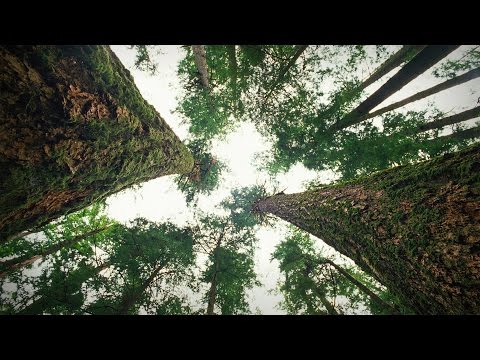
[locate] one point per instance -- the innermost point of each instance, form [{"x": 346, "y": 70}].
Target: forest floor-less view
[{"x": 240, "y": 179}]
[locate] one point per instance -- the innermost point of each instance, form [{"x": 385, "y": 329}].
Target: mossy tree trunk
[
  {"x": 74, "y": 128},
  {"x": 416, "y": 228}
]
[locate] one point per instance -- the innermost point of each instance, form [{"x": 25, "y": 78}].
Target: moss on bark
[
  {"x": 416, "y": 228},
  {"x": 74, "y": 128}
]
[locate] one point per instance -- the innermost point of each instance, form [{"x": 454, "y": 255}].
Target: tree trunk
[
  {"x": 22, "y": 261},
  {"x": 212, "y": 293},
  {"x": 200, "y": 58},
  {"x": 131, "y": 298},
  {"x": 374, "y": 297},
  {"x": 74, "y": 129},
  {"x": 299, "y": 50},
  {"x": 467, "y": 134},
  {"x": 330, "y": 309},
  {"x": 416, "y": 228},
  {"x": 391, "y": 63},
  {"x": 415, "y": 67},
  {"x": 472, "y": 74},
  {"x": 39, "y": 305},
  {"x": 450, "y": 120},
  {"x": 232, "y": 59}
]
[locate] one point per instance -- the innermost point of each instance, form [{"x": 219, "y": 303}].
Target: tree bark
[
  {"x": 74, "y": 129},
  {"x": 470, "y": 75},
  {"x": 374, "y": 297},
  {"x": 200, "y": 58},
  {"x": 450, "y": 120},
  {"x": 391, "y": 63},
  {"x": 22, "y": 261},
  {"x": 416, "y": 228},
  {"x": 415, "y": 67}
]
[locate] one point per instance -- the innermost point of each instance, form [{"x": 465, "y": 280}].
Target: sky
[{"x": 160, "y": 200}]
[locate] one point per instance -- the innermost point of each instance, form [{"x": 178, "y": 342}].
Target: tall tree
[
  {"x": 417, "y": 220},
  {"x": 229, "y": 270},
  {"x": 470, "y": 75},
  {"x": 74, "y": 128},
  {"x": 415, "y": 67}
]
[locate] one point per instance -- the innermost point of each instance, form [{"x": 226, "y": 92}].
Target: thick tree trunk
[
  {"x": 132, "y": 297},
  {"x": 391, "y": 63},
  {"x": 450, "y": 120},
  {"x": 374, "y": 297},
  {"x": 200, "y": 58},
  {"x": 470, "y": 75},
  {"x": 416, "y": 228},
  {"x": 22, "y": 261},
  {"x": 415, "y": 67},
  {"x": 74, "y": 129}
]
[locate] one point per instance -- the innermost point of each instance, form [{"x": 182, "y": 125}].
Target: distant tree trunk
[
  {"x": 18, "y": 263},
  {"x": 200, "y": 58},
  {"x": 212, "y": 293},
  {"x": 131, "y": 298},
  {"x": 233, "y": 73},
  {"x": 74, "y": 129},
  {"x": 391, "y": 63},
  {"x": 60, "y": 291},
  {"x": 470, "y": 75},
  {"x": 298, "y": 51},
  {"x": 415, "y": 67},
  {"x": 374, "y": 297},
  {"x": 467, "y": 134},
  {"x": 321, "y": 295},
  {"x": 450, "y": 120},
  {"x": 414, "y": 227}
]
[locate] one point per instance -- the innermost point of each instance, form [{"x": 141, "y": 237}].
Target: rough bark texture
[
  {"x": 200, "y": 58},
  {"x": 416, "y": 228},
  {"x": 392, "y": 62},
  {"x": 74, "y": 128},
  {"x": 415, "y": 67},
  {"x": 450, "y": 120},
  {"x": 470, "y": 75}
]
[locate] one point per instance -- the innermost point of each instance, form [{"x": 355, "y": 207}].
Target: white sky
[{"x": 159, "y": 199}]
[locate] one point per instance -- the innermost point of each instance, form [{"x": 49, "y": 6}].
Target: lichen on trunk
[
  {"x": 416, "y": 228},
  {"x": 74, "y": 128}
]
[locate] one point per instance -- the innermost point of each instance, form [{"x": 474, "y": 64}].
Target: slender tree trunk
[
  {"x": 299, "y": 50},
  {"x": 22, "y": 261},
  {"x": 472, "y": 74},
  {"x": 131, "y": 298},
  {"x": 56, "y": 291},
  {"x": 391, "y": 63},
  {"x": 330, "y": 309},
  {"x": 415, "y": 67},
  {"x": 74, "y": 129},
  {"x": 200, "y": 58},
  {"x": 374, "y": 297},
  {"x": 212, "y": 293},
  {"x": 414, "y": 227},
  {"x": 233, "y": 73},
  {"x": 450, "y": 120},
  {"x": 467, "y": 134}
]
